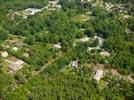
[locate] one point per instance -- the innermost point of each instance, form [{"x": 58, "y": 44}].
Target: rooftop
[
  {"x": 14, "y": 67},
  {"x": 58, "y": 46},
  {"x": 4, "y": 54},
  {"x": 98, "y": 74},
  {"x": 74, "y": 64},
  {"x": 15, "y": 48},
  {"x": 105, "y": 53}
]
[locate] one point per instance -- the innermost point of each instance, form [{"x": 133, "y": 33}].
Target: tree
[
  {"x": 90, "y": 32},
  {"x": 3, "y": 34}
]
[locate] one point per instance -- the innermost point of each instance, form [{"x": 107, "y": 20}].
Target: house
[
  {"x": 127, "y": 30},
  {"x": 57, "y": 46},
  {"x": 14, "y": 64},
  {"x": 94, "y": 4},
  {"x": 101, "y": 40},
  {"x": 13, "y": 67},
  {"x": 74, "y": 64},
  {"x": 24, "y": 17},
  {"x": 84, "y": 39},
  {"x": 24, "y": 13},
  {"x": 85, "y": 1},
  {"x": 89, "y": 13},
  {"x": 19, "y": 62},
  {"x": 58, "y": 6},
  {"x": 93, "y": 48},
  {"x": 126, "y": 16},
  {"x": 98, "y": 74},
  {"x": 15, "y": 48},
  {"x": 54, "y": 4},
  {"x": 26, "y": 55},
  {"x": 32, "y": 11},
  {"x": 105, "y": 53},
  {"x": 4, "y": 54},
  {"x": 5, "y": 46}
]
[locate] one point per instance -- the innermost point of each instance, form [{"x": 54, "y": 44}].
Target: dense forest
[{"x": 47, "y": 73}]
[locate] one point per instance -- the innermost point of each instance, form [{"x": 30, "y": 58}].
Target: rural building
[
  {"x": 105, "y": 53},
  {"x": 74, "y": 64},
  {"x": 4, "y": 54},
  {"x": 98, "y": 74},
  {"x": 84, "y": 39},
  {"x": 93, "y": 48},
  {"x": 19, "y": 62},
  {"x": 15, "y": 48},
  {"x": 32, "y": 11},
  {"x": 26, "y": 55},
  {"x": 14, "y": 67},
  {"x": 54, "y": 4},
  {"x": 57, "y": 46},
  {"x": 101, "y": 40}
]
